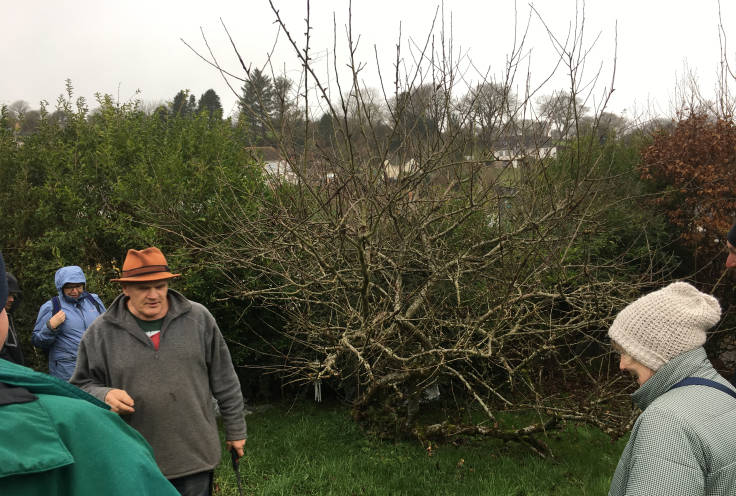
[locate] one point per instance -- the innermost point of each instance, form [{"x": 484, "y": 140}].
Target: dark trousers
[{"x": 199, "y": 484}]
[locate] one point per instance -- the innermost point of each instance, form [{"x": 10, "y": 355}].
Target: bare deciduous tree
[{"x": 399, "y": 267}]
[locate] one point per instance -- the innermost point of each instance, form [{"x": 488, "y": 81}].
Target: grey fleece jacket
[{"x": 172, "y": 387}]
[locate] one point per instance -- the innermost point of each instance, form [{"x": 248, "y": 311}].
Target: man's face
[
  {"x": 731, "y": 260},
  {"x": 73, "y": 289},
  {"x": 3, "y": 326},
  {"x": 147, "y": 300},
  {"x": 641, "y": 372},
  {"x": 11, "y": 300}
]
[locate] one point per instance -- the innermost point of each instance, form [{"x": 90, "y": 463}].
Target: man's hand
[
  {"x": 238, "y": 445},
  {"x": 57, "y": 319},
  {"x": 120, "y": 402}
]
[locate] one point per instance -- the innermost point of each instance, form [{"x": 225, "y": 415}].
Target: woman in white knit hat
[{"x": 684, "y": 442}]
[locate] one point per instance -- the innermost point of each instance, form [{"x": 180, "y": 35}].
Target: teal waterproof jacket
[
  {"x": 68, "y": 443},
  {"x": 684, "y": 442}
]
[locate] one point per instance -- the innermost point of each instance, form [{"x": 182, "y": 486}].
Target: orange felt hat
[{"x": 145, "y": 265}]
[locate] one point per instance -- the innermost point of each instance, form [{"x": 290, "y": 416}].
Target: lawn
[{"x": 318, "y": 450}]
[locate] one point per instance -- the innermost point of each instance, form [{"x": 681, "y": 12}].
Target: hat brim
[{"x": 153, "y": 276}]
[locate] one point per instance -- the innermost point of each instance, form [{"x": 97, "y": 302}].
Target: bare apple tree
[{"x": 427, "y": 241}]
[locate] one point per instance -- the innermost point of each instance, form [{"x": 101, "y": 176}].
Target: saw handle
[{"x": 234, "y": 458}]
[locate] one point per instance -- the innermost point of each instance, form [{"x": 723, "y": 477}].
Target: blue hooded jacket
[{"x": 62, "y": 342}]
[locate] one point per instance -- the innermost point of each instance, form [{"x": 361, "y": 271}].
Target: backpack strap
[
  {"x": 55, "y": 305},
  {"x": 94, "y": 302},
  {"x": 699, "y": 381}
]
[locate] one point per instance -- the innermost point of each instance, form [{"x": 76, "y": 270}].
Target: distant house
[
  {"x": 280, "y": 170},
  {"x": 393, "y": 171},
  {"x": 515, "y": 150},
  {"x": 277, "y": 169}
]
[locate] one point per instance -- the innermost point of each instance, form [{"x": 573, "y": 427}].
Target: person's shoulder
[
  {"x": 196, "y": 312},
  {"x": 658, "y": 429},
  {"x": 107, "y": 322},
  {"x": 199, "y": 311},
  {"x": 691, "y": 399},
  {"x": 45, "y": 305},
  {"x": 44, "y": 312},
  {"x": 185, "y": 305},
  {"x": 685, "y": 407},
  {"x": 198, "y": 307},
  {"x": 95, "y": 327},
  {"x": 40, "y": 383}
]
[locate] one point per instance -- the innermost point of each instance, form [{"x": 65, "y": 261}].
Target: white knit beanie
[{"x": 659, "y": 326}]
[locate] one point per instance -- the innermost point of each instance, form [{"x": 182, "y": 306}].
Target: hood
[
  {"x": 69, "y": 274},
  {"x": 15, "y": 290},
  {"x": 13, "y": 284}
]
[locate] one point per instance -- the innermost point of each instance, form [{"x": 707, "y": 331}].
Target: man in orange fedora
[{"x": 157, "y": 359}]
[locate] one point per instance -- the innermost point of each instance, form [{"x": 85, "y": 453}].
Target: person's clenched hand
[
  {"x": 57, "y": 319},
  {"x": 120, "y": 401}
]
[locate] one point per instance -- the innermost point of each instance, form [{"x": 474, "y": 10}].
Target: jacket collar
[
  {"x": 683, "y": 365},
  {"x": 78, "y": 299}
]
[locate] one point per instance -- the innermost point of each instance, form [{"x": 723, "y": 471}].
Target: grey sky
[{"x": 120, "y": 47}]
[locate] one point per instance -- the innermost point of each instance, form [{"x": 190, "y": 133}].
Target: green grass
[{"x": 318, "y": 450}]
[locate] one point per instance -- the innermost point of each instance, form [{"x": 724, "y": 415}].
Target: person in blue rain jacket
[{"x": 59, "y": 332}]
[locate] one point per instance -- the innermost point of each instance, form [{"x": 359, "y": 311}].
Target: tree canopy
[
  {"x": 210, "y": 102},
  {"x": 694, "y": 164}
]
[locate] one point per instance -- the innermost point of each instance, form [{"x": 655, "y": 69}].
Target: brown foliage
[{"x": 696, "y": 164}]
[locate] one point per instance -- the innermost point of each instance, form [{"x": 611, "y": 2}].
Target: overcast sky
[{"x": 119, "y": 47}]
